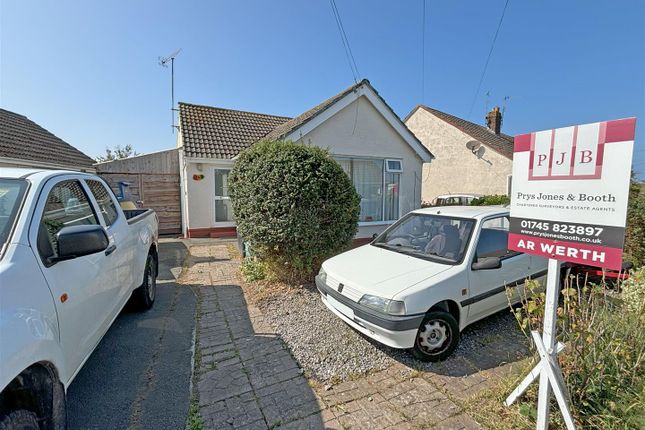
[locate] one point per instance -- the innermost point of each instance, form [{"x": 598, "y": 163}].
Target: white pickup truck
[{"x": 70, "y": 258}]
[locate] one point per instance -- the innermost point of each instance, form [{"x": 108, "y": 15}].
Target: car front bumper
[{"x": 390, "y": 330}]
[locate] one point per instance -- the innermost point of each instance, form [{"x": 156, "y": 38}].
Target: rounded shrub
[{"x": 294, "y": 204}]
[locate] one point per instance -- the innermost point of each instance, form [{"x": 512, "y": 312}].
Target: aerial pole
[{"x": 163, "y": 61}]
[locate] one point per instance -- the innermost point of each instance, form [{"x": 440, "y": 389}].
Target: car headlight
[
  {"x": 392, "y": 307},
  {"x": 322, "y": 275}
]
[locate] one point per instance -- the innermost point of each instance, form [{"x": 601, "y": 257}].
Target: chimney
[{"x": 494, "y": 120}]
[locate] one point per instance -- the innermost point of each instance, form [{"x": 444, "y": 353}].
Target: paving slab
[{"x": 246, "y": 377}]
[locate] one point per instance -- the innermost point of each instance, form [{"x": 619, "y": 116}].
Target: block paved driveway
[{"x": 246, "y": 377}]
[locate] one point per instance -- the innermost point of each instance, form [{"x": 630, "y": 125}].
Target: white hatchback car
[{"x": 427, "y": 277}]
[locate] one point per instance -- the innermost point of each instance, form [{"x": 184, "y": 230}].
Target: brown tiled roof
[
  {"x": 211, "y": 132},
  {"x": 23, "y": 139},
  {"x": 501, "y": 143},
  {"x": 281, "y": 131}
]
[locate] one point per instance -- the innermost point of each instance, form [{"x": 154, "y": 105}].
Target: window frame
[
  {"x": 511, "y": 254},
  {"x": 384, "y": 171},
  {"x": 39, "y": 211},
  {"x": 97, "y": 206},
  {"x": 387, "y": 165}
]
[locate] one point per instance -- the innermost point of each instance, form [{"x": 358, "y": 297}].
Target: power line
[
  {"x": 490, "y": 53},
  {"x": 343, "y": 37}
]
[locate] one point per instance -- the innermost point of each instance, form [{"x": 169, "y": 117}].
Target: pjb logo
[
  {"x": 567, "y": 153},
  {"x": 572, "y": 152}
]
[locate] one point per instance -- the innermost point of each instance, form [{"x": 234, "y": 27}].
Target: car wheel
[
  {"x": 144, "y": 295},
  {"x": 19, "y": 420},
  {"x": 437, "y": 337}
]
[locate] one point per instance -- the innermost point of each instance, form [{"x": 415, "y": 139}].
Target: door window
[
  {"x": 67, "y": 205},
  {"x": 104, "y": 199},
  {"x": 493, "y": 239},
  {"x": 223, "y": 207}
]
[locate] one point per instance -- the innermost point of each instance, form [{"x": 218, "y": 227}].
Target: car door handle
[{"x": 110, "y": 249}]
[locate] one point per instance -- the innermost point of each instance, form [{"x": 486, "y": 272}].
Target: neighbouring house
[
  {"x": 384, "y": 159},
  {"x": 23, "y": 143},
  {"x": 470, "y": 158}
]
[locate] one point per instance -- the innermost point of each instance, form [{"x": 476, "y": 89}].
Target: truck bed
[{"x": 135, "y": 215}]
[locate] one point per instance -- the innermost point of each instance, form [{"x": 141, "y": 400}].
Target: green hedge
[
  {"x": 294, "y": 204},
  {"x": 635, "y": 231},
  {"x": 491, "y": 200}
]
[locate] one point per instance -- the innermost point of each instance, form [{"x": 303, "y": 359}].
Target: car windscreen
[
  {"x": 443, "y": 239},
  {"x": 11, "y": 194}
]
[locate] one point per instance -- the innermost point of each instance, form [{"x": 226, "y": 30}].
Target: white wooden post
[
  {"x": 547, "y": 369},
  {"x": 548, "y": 339}
]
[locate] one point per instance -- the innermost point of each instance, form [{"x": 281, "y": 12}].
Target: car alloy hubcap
[{"x": 433, "y": 335}]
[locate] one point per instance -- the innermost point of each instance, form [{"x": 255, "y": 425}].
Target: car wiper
[{"x": 397, "y": 247}]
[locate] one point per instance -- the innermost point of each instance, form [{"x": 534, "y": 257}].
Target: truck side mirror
[
  {"x": 487, "y": 263},
  {"x": 79, "y": 240}
]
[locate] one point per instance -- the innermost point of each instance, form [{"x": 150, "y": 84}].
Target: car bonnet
[{"x": 378, "y": 271}]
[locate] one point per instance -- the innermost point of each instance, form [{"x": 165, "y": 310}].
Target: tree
[
  {"x": 117, "y": 154},
  {"x": 294, "y": 204}
]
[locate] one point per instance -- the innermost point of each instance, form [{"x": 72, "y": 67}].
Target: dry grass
[
  {"x": 488, "y": 409},
  {"x": 261, "y": 291}
]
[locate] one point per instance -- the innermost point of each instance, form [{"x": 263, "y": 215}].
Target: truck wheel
[
  {"x": 19, "y": 420},
  {"x": 144, "y": 296},
  {"x": 437, "y": 337}
]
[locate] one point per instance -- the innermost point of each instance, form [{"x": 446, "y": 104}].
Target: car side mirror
[
  {"x": 487, "y": 263},
  {"x": 79, "y": 240},
  {"x": 374, "y": 236}
]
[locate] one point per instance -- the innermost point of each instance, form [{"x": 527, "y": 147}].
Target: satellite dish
[
  {"x": 473, "y": 145},
  {"x": 480, "y": 151}
]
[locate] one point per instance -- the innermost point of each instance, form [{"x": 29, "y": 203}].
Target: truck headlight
[
  {"x": 322, "y": 275},
  {"x": 392, "y": 307}
]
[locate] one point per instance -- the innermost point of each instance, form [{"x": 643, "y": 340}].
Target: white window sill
[{"x": 369, "y": 223}]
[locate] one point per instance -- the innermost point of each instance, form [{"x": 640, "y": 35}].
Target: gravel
[{"x": 331, "y": 351}]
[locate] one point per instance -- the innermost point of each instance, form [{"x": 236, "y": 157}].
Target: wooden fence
[{"x": 153, "y": 183}]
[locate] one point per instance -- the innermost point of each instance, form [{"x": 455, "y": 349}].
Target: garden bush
[
  {"x": 491, "y": 200},
  {"x": 603, "y": 362},
  {"x": 635, "y": 231},
  {"x": 294, "y": 204}
]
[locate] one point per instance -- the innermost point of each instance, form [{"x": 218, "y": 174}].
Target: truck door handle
[{"x": 110, "y": 249}]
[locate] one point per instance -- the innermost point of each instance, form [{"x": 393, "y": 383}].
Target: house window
[
  {"x": 394, "y": 166},
  {"x": 377, "y": 181}
]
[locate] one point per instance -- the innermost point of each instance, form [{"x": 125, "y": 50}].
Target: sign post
[{"x": 568, "y": 203}]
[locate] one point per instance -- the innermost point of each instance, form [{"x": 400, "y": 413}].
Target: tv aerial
[{"x": 163, "y": 62}]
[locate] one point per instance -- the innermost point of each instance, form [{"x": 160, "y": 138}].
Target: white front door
[{"x": 223, "y": 207}]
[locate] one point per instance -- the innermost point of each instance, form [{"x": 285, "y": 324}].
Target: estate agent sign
[
  {"x": 568, "y": 203},
  {"x": 570, "y": 191}
]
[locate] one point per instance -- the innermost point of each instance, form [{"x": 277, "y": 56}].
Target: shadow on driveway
[
  {"x": 139, "y": 375},
  {"x": 246, "y": 377}
]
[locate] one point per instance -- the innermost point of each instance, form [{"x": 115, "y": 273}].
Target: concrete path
[
  {"x": 139, "y": 375},
  {"x": 246, "y": 377}
]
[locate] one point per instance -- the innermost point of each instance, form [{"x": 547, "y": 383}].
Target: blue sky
[{"x": 88, "y": 72}]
